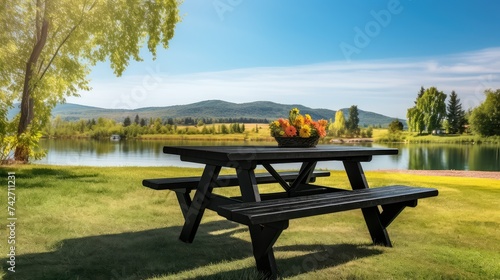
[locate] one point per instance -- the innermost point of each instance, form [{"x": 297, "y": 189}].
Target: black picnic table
[{"x": 267, "y": 215}]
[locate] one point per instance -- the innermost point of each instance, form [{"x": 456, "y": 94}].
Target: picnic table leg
[
  {"x": 184, "y": 201},
  {"x": 262, "y": 237},
  {"x": 263, "y": 251},
  {"x": 305, "y": 173},
  {"x": 199, "y": 203},
  {"x": 375, "y": 226},
  {"x": 307, "y": 168}
]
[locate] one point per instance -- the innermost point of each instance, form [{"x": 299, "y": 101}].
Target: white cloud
[{"x": 384, "y": 86}]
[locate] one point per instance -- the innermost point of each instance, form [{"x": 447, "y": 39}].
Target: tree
[
  {"x": 485, "y": 119},
  {"x": 414, "y": 116},
  {"x": 429, "y": 111},
  {"x": 434, "y": 108},
  {"x": 127, "y": 121},
  {"x": 51, "y": 45},
  {"x": 136, "y": 119},
  {"x": 455, "y": 115},
  {"x": 395, "y": 126},
  {"x": 224, "y": 129},
  {"x": 339, "y": 126},
  {"x": 420, "y": 93},
  {"x": 369, "y": 132},
  {"x": 352, "y": 123},
  {"x": 415, "y": 120}
]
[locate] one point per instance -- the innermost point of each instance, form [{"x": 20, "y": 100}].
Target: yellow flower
[
  {"x": 305, "y": 131},
  {"x": 299, "y": 121}
]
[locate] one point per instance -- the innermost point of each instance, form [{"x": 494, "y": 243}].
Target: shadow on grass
[
  {"x": 156, "y": 252},
  {"x": 50, "y": 177},
  {"x": 317, "y": 257}
]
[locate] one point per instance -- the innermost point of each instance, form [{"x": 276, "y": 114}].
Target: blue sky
[{"x": 322, "y": 54}]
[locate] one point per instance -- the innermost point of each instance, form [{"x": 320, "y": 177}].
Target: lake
[{"x": 149, "y": 153}]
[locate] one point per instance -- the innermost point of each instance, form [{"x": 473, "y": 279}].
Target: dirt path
[{"x": 457, "y": 173}]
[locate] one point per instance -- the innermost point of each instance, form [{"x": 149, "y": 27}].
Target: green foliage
[
  {"x": 236, "y": 128},
  {"x": 224, "y": 129},
  {"x": 366, "y": 133},
  {"x": 104, "y": 128},
  {"x": 7, "y": 138},
  {"x": 7, "y": 135},
  {"x": 350, "y": 128},
  {"x": 31, "y": 140},
  {"x": 395, "y": 137},
  {"x": 415, "y": 120},
  {"x": 450, "y": 139},
  {"x": 428, "y": 112},
  {"x": 352, "y": 123},
  {"x": 485, "y": 119},
  {"x": 7, "y": 145},
  {"x": 395, "y": 126},
  {"x": 127, "y": 121},
  {"x": 455, "y": 115}
]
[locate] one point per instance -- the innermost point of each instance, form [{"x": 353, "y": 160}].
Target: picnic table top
[{"x": 274, "y": 153}]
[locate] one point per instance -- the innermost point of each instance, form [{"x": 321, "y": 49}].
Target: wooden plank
[
  {"x": 303, "y": 206},
  {"x": 191, "y": 183},
  {"x": 227, "y": 155}
]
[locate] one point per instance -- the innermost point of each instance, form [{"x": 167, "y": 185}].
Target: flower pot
[{"x": 297, "y": 142}]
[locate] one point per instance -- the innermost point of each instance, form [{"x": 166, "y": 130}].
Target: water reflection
[
  {"x": 149, "y": 153},
  {"x": 456, "y": 156}
]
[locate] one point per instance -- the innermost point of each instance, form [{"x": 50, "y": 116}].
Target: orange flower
[
  {"x": 321, "y": 130},
  {"x": 323, "y": 123},
  {"x": 308, "y": 119},
  {"x": 284, "y": 123},
  {"x": 290, "y": 131}
]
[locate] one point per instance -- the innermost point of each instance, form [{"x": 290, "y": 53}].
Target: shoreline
[{"x": 454, "y": 173}]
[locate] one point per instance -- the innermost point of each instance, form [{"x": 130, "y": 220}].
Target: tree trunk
[{"x": 27, "y": 103}]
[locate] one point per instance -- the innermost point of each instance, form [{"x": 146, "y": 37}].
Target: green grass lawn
[{"x": 100, "y": 223}]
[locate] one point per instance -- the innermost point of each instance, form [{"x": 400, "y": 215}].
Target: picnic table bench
[
  {"x": 184, "y": 185},
  {"x": 267, "y": 215}
]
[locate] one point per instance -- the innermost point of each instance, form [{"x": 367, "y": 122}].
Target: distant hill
[{"x": 215, "y": 109}]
